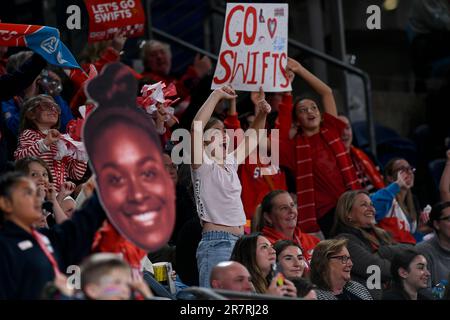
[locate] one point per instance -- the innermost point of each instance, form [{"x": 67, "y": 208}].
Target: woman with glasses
[
  {"x": 397, "y": 209},
  {"x": 39, "y": 137},
  {"x": 314, "y": 151},
  {"x": 331, "y": 267},
  {"x": 370, "y": 247}
]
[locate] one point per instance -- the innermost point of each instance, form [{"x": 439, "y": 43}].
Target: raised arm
[
  {"x": 325, "y": 92},
  {"x": 444, "y": 186},
  {"x": 254, "y": 135},
  {"x": 201, "y": 118}
]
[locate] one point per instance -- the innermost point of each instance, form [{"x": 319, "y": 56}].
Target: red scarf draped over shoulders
[
  {"x": 331, "y": 129},
  {"x": 306, "y": 242}
]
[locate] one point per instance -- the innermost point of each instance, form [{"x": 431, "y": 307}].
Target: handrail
[{"x": 220, "y": 294}]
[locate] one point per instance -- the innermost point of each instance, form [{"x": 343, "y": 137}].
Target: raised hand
[
  {"x": 293, "y": 65},
  {"x": 52, "y": 137},
  {"x": 67, "y": 188},
  {"x": 257, "y": 96},
  {"x": 50, "y": 191},
  {"x": 225, "y": 92},
  {"x": 261, "y": 104},
  {"x": 118, "y": 41}
]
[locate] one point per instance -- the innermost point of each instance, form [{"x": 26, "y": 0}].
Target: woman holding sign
[
  {"x": 316, "y": 153},
  {"x": 217, "y": 188}
]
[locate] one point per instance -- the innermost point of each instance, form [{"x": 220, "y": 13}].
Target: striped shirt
[{"x": 31, "y": 143}]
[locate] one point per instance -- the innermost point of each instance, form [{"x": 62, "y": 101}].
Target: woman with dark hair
[
  {"x": 368, "y": 245},
  {"x": 316, "y": 154},
  {"x": 331, "y": 267},
  {"x": 277, "y": 219},
  {"x": 409, "y": 274},
  {"x": 290, "y": 259},
  {"x": 257, "y": 254},
  {"x": 397, "y": 209}
]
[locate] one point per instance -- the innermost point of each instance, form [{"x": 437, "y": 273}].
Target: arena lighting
[{"x": 390, "y": 5}]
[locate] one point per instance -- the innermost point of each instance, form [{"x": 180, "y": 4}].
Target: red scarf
[
  {"x": 305, "y": 176},
  {"x": 41, "y": 240},
  {"x": 369, "y": 168},
  {"x": 306, "y": 242}
]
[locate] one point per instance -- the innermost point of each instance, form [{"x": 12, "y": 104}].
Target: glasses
[
  {"x": 49, "y": 106},
  {"x": 344, "y": 259},
  {"x": 308, "y": 109},
  {"x": 404, "y": 169},
  {"x": 447, "y": 219}
]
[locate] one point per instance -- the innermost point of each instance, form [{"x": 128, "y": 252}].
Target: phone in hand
[{"x": 278, "y": 273}]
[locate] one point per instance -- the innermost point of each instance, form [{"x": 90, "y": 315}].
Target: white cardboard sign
[{"x": 254, "y": 48}]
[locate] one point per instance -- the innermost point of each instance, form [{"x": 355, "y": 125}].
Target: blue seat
[
  {"x": 436, "y": 168},
  {"x": 389, "y": 143}
]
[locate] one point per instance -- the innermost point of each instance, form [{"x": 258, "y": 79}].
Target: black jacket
[
  {"x": 24, "y": 267},
  {"x": 396, "y": 293}
]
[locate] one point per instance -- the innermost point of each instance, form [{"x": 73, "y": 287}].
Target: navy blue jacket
[{"x": 24, "y": 267}]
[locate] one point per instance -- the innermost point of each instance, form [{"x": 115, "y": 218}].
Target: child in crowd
[
  {"x": 217, "y": 188},
  {"x": 39, "y": 137},
  {"x": 30, "y": 258},
  {"x": 38, "y": 171},
  {"x": 105, "y": 276},
  {"x": 313, "y": 149}
]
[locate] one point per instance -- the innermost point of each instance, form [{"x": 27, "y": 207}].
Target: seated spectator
[
  {"x": 277, "y": 219},
  {"x": 397, "y": 209},
  {"x": 41, "y": 254},
  {"x": 157, "y": 61},
  {"x": 368, "y": 174},
  {"x": 12, "y": 108},
  {"x": 409, "y": 274},
  {"x": 104, "y": 276},
  {"x": 331, "y": 267},
  {"x": 444, "y": 185},
  {"x": 437, "y": 249},
  {"x": 39, "y": 137},
  {"x": 388, "y": 213},
  {"x": 316, "y": 154},
  {"x": 290, "y": 259},
  {"x": 231, "y": 275},
  {"x": 256, "y": 253},
  {"x": 368, "y": 245}
]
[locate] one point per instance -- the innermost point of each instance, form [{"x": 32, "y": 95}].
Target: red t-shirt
[
  {"x": 328, "y": 181},
  {"x": 255, "y": 185}
]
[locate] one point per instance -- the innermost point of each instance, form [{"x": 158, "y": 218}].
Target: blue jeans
[{"x": 215, "y": 247}]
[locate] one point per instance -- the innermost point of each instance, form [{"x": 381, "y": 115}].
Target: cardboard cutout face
[{"x": 135, "y": 190}]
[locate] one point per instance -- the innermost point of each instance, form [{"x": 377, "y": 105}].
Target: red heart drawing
[{"x": 272, "y": 26}]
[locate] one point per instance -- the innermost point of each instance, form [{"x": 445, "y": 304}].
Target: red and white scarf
[{"x": 305, "y": 175}]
